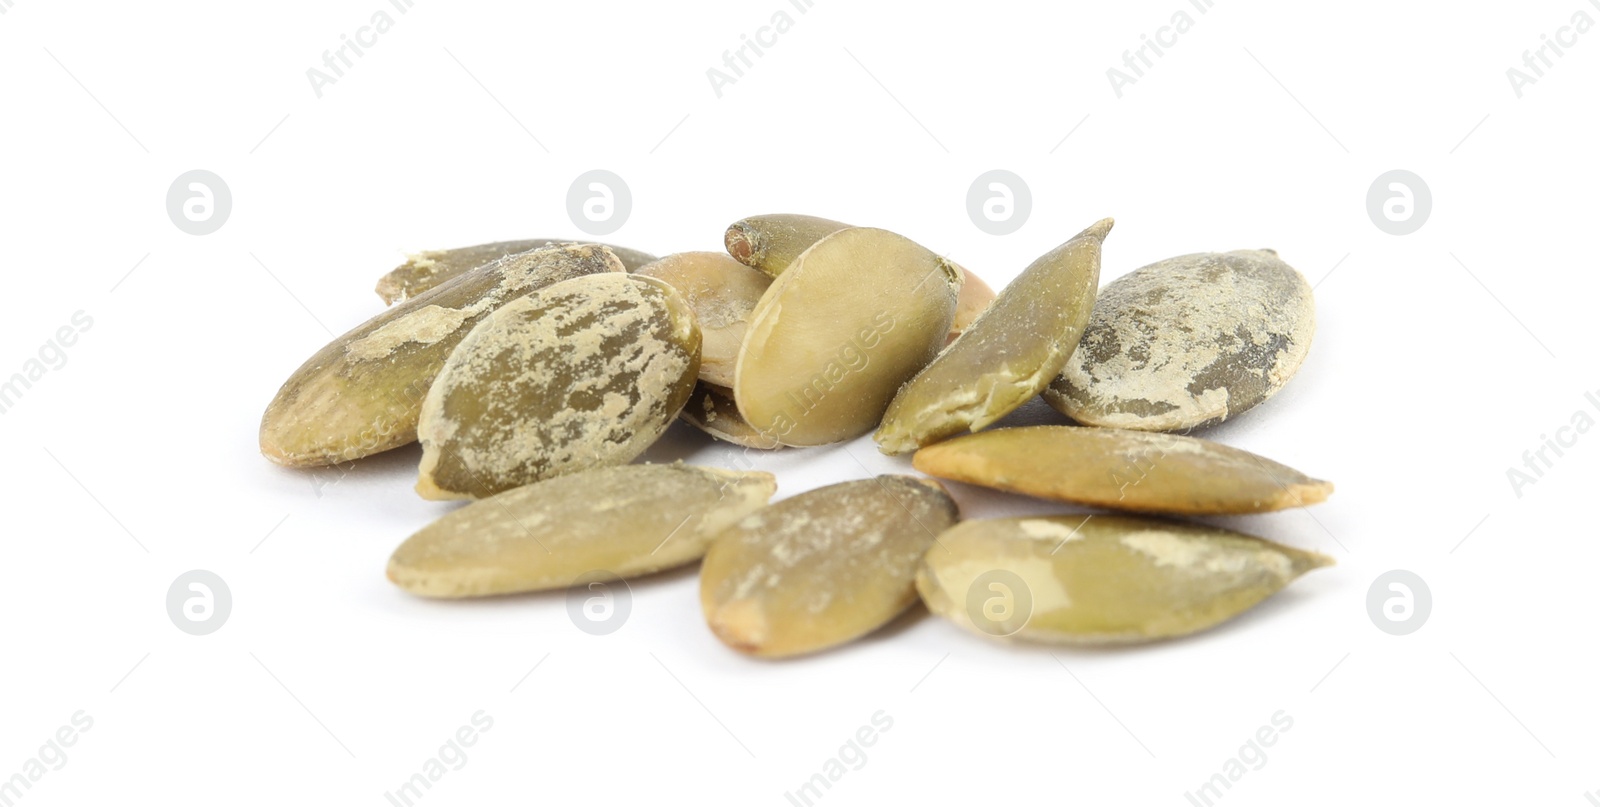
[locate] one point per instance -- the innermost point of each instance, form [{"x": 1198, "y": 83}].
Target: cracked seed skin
[
  {"x": 821, "y": 568},
  {"x": 1188, "y": 342},
  {"x": 836, "y": 335},
  {"x": 362, "y": 393},
  {"x": 1102, "y": 580},
  {"x": 1122, "y": 469},
  {"x": 630, "y": 520},
  {"x": 584, "y": 374},
  {"x": 1007, "y": 356},
  {"x": 434, "y": 267}
]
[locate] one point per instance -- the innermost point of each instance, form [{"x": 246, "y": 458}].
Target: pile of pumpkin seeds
[{"x": 535, "y": 372}]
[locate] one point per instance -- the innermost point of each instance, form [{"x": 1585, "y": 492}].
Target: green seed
[
  {"x": 1007, "y": 356},
  {"x": 1122, "y": 470},
  {"x": 584, "y": 374},
  {"x": 361, "y": 394},
  {"x": 1101, "y": 579},
  {"x": 770, "y": 243},
  {"x": 628, "y": 521},
  {"x": 851, "y": 320},
  {"x": 722, "y": 292},
  {"x": 1188, "y": 342},
  {"x": 821, "y": 568},
  {"x": 433, "y": 267},
  {"x": 712, "y": 410}
]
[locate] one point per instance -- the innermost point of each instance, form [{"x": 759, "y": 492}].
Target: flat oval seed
[
  {"x": 857, "y": 315},
  {"x": 361, "y": 394},
  {"x": 722, "y": 292},
  {"x": 771, "y": 242},
  {"x": 433, "y": 267},
  {"x": 1101, "y": 579},
  {"x": 584, "y": 374},
  {"x": 821, "y": 568},
  {"x": 1188, "y": 342},
  {"x": 712, "y": 410},
  {"x": 1122, "y": 470},
  {"x": 629, "y": 521},
  {"x": 1007, "y": 356}
]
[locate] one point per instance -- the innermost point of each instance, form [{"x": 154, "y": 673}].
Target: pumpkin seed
[
  {"x": 722, "y": 292},
  {"x": 821, "y": 568},
  {"x": 973, "y": 299},
  {"x": 629, "y": 521},
  {"x": 1101, "y": 579},
  {"x": 712, "y": 410},
  {"x": 1188, "y": 342},
  {"x": 1004, "y": 358},
  {"x": 841, "y": 329},
  {"x": 1123, "y": 470},
  {"x": 361, "y": 394},
  {"x": 770, "y": 243},
  {"x": 433, "y": 267},
  {"x": 584, "y": 374}
]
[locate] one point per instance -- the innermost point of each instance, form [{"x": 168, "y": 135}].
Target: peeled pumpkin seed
[
  {"x": 1188, "y": 342},
  {"x": 721, "y": 292},
  {"x": 628, "y": 521},
  {"x": 821, "y": 568},
  {"x": 433, "y": 267},
  {"x": 974, "y": 298},
  {"x": 840, "y": 330},
  {"x": 1007, "y": 356},
  {"x": 771, "y": 242},
  {"x": 584, "y": 374},
  {"x": 712, "y": 410},
  {"x": 1101, "y": 579},
  {"x": 1123, "y": 470},
  {"x": 361, "y": 394}
]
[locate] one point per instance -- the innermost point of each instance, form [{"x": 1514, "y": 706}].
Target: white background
[{"x": 1262, "y": 127}]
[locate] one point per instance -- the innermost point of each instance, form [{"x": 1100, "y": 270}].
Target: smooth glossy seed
[
  {"x": 712, "y": 410},
  {"x": 722, "y": 292},
  {"x": 1099, "y": 579}
]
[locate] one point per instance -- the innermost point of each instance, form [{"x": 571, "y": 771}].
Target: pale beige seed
[
  {"x": 627, "y": 521},
  {"x": 712, "y": 410},
  {"x": 1099, "y": 579},
  {"x": 771, "y": 242},
  {"x": 1188, "y": 342},
  {"x": 1123, "y": 470},
  {"x": 361, "y": 394},
  {"x": 1007, "y": 356},
  {"x": 722, "y": 292},
  {"x": 836, "y": 335},
  {"x": 433, "y": 267},
  {"x": 974, "y": 299},
  {"x": 821, "y": 568},
  {"x": 584, "y": 374}
]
